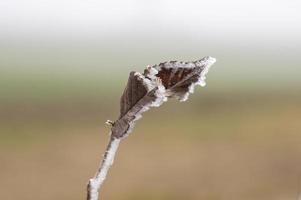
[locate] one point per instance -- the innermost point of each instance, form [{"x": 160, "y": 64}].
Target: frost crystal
[{"x": 155, "y": 86}]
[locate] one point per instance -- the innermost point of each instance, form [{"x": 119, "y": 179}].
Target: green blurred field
[{"x": 218, "y": 145}]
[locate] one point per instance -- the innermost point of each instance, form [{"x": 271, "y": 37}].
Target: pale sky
[
  {"x": 280, "y": 19},
  {"x": 252, "y": 40}
]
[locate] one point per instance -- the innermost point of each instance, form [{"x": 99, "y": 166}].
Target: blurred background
[{"x": 64, "y": 65}]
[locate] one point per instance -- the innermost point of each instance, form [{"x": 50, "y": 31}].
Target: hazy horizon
[{"x": 257, "y": 44}]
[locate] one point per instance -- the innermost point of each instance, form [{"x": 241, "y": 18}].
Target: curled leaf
[
  {"x": 139, "y": 95},
  {"x": 154, "y": 86},
  {"x": 180, "y": 78}
]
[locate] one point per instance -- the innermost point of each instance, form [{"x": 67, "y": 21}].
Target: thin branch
[
  {"x": 96, "y": 182},
  {"x": 143, "y": 91}
]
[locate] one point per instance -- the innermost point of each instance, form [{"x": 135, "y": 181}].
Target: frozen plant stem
[
  {"x": 96, "y": 182},
  {"x": 157, "y": 84}
]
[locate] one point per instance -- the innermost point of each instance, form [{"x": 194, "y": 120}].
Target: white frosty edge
[
  {"x": 174, "y": 65},
  {"x": 160, "y": 95},
  {"x": 151, "y": 71},
  {"x": 96, "y": 182},
  {"x": 149, "y": 84},
  {"x": 207, "y": 62}
]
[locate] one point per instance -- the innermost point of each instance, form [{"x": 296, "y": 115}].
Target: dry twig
[{"x": 143, "y": 91}]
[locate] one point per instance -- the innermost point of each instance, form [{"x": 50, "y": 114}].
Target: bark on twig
[{"x": 96, "y": 182}]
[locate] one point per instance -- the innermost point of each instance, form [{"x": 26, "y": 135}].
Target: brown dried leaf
[
  {"x": 159, "y": 82},
  {"x": 139, "y": 95},
  {"x": 180, "y": 78}
]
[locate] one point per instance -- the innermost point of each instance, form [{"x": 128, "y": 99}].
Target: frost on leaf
[
  {"x": 180, "y": 78},
  {"x": 154, "y": 86},
  {"x": 139, "y": 95}
]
